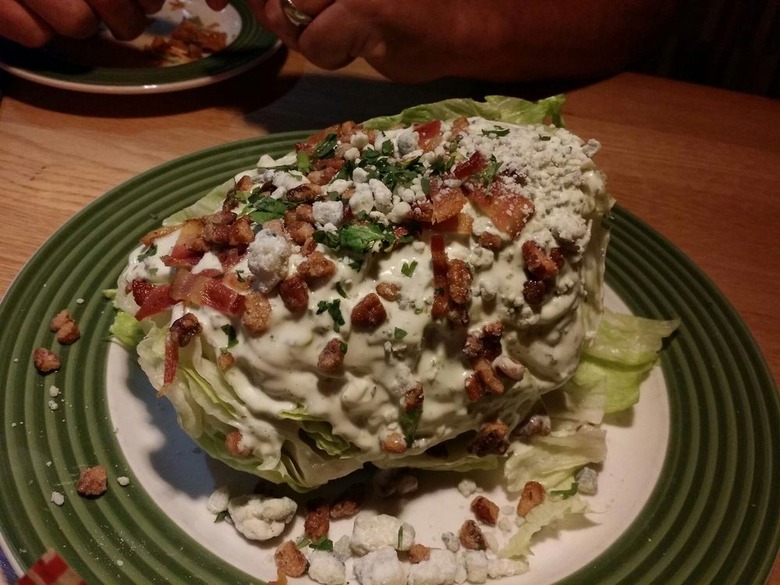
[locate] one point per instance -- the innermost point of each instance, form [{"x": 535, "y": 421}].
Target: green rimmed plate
[
  {"x": 101, "y": 65},
  {"x": 709, "y": 514}
]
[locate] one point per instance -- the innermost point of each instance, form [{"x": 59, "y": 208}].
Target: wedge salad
[{"x": 421, "y": 291}]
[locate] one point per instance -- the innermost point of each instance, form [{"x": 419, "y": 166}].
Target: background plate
[
  {"x": 252, "y": 45},
  {"x": 710, "y": 518}
]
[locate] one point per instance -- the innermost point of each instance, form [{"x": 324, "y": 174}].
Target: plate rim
[{"x": 760, "y": 372}]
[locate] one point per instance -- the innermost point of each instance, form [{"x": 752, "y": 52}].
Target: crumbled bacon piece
[
  {"x": 294, "y": 293},
  {"x": 459, "y": 281},
  {"x": 289, "y": 560},
  {"x": 485, "y": 510},
  {"x": 533, "y": 494},
  {"x": 234, "y": 446},
  {"x": 256, "y": 317},
  {"x": 388, "y": 291},
  {"x": 332, "y": 356},
  {"x": 419, "y": 553},
  {"x": 46, "y": 361},
  {"x": 149, "y": 238},
  {"x": 369, "y": 312},
  {"x": 317, "y": 521},
  {"x": 509, "y": 211},
  {"x": 184, "y": 329},
  {"x": 394, "y": 443},
  {"x": 316, "y": 268},
  {"x": 490, "y": 439},
  {"x": 471, "y": 536},
  {"x": 441, "y": 296},
  {"x": 487, "y": 376},
  {"x": 537, "y": 262},
  {"x": 92, "y": 482}
]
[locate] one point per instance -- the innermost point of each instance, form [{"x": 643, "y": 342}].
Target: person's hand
[{"x": 33, "y": 23}]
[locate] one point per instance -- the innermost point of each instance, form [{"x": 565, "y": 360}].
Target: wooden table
[{"x": 702, "y": 166}]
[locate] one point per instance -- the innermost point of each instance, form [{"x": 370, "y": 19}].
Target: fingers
[
  {"x": 22, "y": 25},
  {"x": 71, "y": 18},
  {"x": 124, "y": 18},
  {"x": 336, "y": 38},
  {"x": 151, "y": 6},
  {"x": 217, "y": 4}
]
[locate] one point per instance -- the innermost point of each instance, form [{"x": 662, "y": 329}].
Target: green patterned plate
[
  {"x": 709, "y": 515},
  {"x": 101, "y": 65}
]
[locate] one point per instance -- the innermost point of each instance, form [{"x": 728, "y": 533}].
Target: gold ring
[{"x": 294, "y": 15}]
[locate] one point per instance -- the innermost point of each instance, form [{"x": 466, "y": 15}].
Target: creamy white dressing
[{"x": 277, "y": 371}]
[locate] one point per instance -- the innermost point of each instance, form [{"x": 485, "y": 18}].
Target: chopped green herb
[
  {"x": 425, "y": 183},
  {"x": 240, "y": 276},
  {"x": 387, "y": 148},
  {"x": 400, "y": 537},
  {"x": 303, "y": 161},
  {"x": 340, "y": 290},
  {"x": 566, "y": 493},
  {"x": 489, "y": 173},
  {"x": 322, "y": 543},
  {"x": 303, "y": 542},
  {"x": 334, "y": 195},
  {"x": 409, "y": 420},
  {"x": 399, "y": 334},
  {"x": 334, "y": 310},
  {"x": 356, "y": 264},
  {"x": 326, "y": 147},
  {"x": 497, "y": 132},
  {"x": 231, "y": 335},
  {"x": 407, "y": 269},
  {"x": 343, "y": 347},
  {"x": 264, "y": 208},
  {"x": 220, "y": 517},
  {"x": 148, "y": 252},
  {"x": 544, "y": 137}
]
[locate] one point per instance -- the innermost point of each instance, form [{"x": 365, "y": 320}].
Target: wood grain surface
[{"x": 700, "y": 165}]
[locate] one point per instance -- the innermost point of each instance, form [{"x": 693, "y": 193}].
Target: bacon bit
[
  {"x": 49, "y": 564},
  {"x": 191, "y": 244},
  {"x": 294, "y": 293},
  {"x": 490, "y": 439},
  {"x": 290, "y": 561},
  {"x": 459, "y": 281},
  {"x": 171, "y": 363},
  {"x": 533, "y": 495},
  {"x": 419, "y": 553},
  {"x": 461, "y": 224},
  {"x": 490, "y": 241},
  {"x": 234, "y": 446},
  {"x": 316, "y": 268},
  {"x": 459, "y": 125},
  {"x": 414, "y": 397},
  {"x": 92, "y": 482},
  {"x": 317, "y": 521},
  {"x": 46, "y": 361},
  {"x": 312, "y": 141},
  {"x": 428, "y": 135},
  {"x": 446, "y": 202},
  {"x": 197, "y": 289},
  {"x": 487, "y": 376},
  {"x": 539, "y": 264},
  {"x": 305, "y": 192},
  {"x": 534, "y": 291},
  {"x": 509, "y": 211},
  {"x": 476, "y": 163},
  {"x": 233, "y": 280},
  {"x": 225, "y": 360},
  {"x": 154, "y": 298},
  {"x": 485, "y": 510},
  {"x": 256, "y": 317},
  {"x": 369, "y": 312},
  {"x": 441, "y": 295},
  {"x": 149, "y": 238},
  {"x": 331, "y": 357},
  {"x": 349, "y": 502},
  {"x": 394, "y": 443},
  {"x": 471, "y": 536},
  {"x": 184, "y": 329},
  {"x": 388, "y": 291},
  {"x": 474, "y": 388}
]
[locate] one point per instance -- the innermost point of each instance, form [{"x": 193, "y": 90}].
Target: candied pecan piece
[
  {"x": 413, "y": 397},
  {"x": 490, "y": 241},
  {"x": 305, "y": 212},
  {"x": 459, "y": 281},
  {"x": 556, "y": 254},
  {"x": 488, "y": 376},
  {"x": 419, "y": 553},
  {"x": 65, "y": 327},
  {"x": 294, "y": 293},
  {"x": 471, "y": 536},
  {"x": 298, "y": 230},
  {"x": 304, "y": 192},
  {"x": 45, "y": 360},
  {"x": 317, "y": 521},
  {"x": 537, "y": 262},
  {"x": 536, "y": 424},
  {"x": 473, "y": 347},
  {"x": 241, "y": 232},
  {"x": 216, "y": 233},
  {"x": 184, "y": 329},
  {"x": 289, "y": 560},
  {"x": 60, "y": 319},
  {"x": 244, "y": 183},
  {"x": 316, "y": 267},
  {"x": 92, "y": 482},
  {"x": 308, "y": 246},
  {"x": 458, "y": 315},
  {"x": 533, "y": 495},
  {"x": 388, "y": 291},
  {"x": 369, "y": 312},
  {"x": 234, "y": 446},
  {"x": 223, "y": 217},
  {"x": 394, "y": 443},
  {"x": 332, "y": 356},
  {"x": 485, "y": 510},
  {"x": 534, "y": 291},
  {"x": 225, "y": 360},
  {"x": 474, "y": 388},
  {"x": 348, "y": 503},
  {"x": 256, "y": 317},
  {"x": 490, "y": 439}
]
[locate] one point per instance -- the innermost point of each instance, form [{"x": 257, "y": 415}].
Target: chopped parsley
[
  {"x": 322, "y": 543},
  {"x": 340, "y": 290},
  {"x": 220, "y": 517},
  {"x": 399, "y": 334},
  {"x": 334, "y": 310},
  {"x": 496, "y": 132},
  {"x": 407, "y": 269},
  {"x": 304, "y": 162},
  {"x": 262, "y": 208},
  {"x": 489, "y": 173},
  {"x": 231, "y": 335},
  {"x": 400, "y": 537},
  {"x": 409, "y": 420},
  {"x": 566, "y": 493},
  {"x": 343, "y": 347},
  {"x": 149, "y": 252},
  {"x": 326, "y": 148},
  {"x": 357, "y": 238}
]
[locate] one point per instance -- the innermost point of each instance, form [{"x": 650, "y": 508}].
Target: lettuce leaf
[
  {"x": 498, "y": 108},
  {"x": 126, "y": 329}
]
